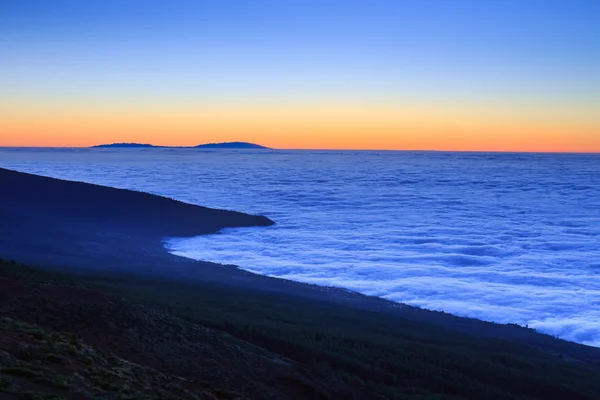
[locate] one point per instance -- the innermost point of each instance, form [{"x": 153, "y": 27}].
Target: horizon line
[{"x": 192, "y": 147}]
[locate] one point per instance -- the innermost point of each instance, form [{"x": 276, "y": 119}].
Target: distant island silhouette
[
  {"x": 223, "y": 145},
  {"x": 231, "y": 145},
  {"x": 126, "y": 145}
]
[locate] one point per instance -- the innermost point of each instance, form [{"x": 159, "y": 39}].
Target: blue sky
[
  {"x": 377, "y": 47},
  {"x": 316, "y": 51}
]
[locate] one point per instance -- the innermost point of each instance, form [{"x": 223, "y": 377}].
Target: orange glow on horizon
[{"x": 407, "y": 127}]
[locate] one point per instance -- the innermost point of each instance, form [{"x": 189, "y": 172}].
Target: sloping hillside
[
  {"x": 59, "y": 337},
  {"x": 184, "y": 340},
  {"x": 58, "y": 222}
]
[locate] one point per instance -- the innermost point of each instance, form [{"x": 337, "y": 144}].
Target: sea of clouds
[{"x": 501, "y": 237}]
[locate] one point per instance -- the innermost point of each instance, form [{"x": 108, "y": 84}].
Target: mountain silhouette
[
  {"x": 222, "y": 145},
  {"x": 231, "y": 145}
]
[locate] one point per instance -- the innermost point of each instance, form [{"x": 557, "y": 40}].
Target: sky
[{"x": 475, "y": 75}]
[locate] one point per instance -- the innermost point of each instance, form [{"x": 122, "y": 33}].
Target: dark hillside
[
  {"x": 194, "y": 340},
  {"x": 108, "y": 208},
  {"x": 57, "y": 222},
  {"x": 73, "y": 330}
]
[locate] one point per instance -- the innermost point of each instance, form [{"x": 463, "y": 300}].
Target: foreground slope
[
  {"x": 62, "y": 338},
  {"x": 129, "y": 338}
]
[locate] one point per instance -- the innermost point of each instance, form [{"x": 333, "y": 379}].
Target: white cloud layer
[{"x": 501, "y": 237}]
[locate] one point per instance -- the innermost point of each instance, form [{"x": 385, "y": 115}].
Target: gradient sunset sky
[{"x": 497, "y": 75}]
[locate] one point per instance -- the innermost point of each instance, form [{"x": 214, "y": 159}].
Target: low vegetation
[
  {"x": 36, "y": 363},
  {"x": 152, "y": 337}
]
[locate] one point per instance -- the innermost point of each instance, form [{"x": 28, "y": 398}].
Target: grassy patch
[
  {"x": 20, "y": 371},
  {"x": 5, "y": 384},
  {"x": 375, "y": 355}
]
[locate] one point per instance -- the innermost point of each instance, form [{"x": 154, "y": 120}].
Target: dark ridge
[
  {"x": 34, "y": 196},
  {"x": 78, "y": 226},
  {"x": 58, "y": 222},
  {"x": 231, "y": 145},
  {"x": 125, "y": 145}
]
